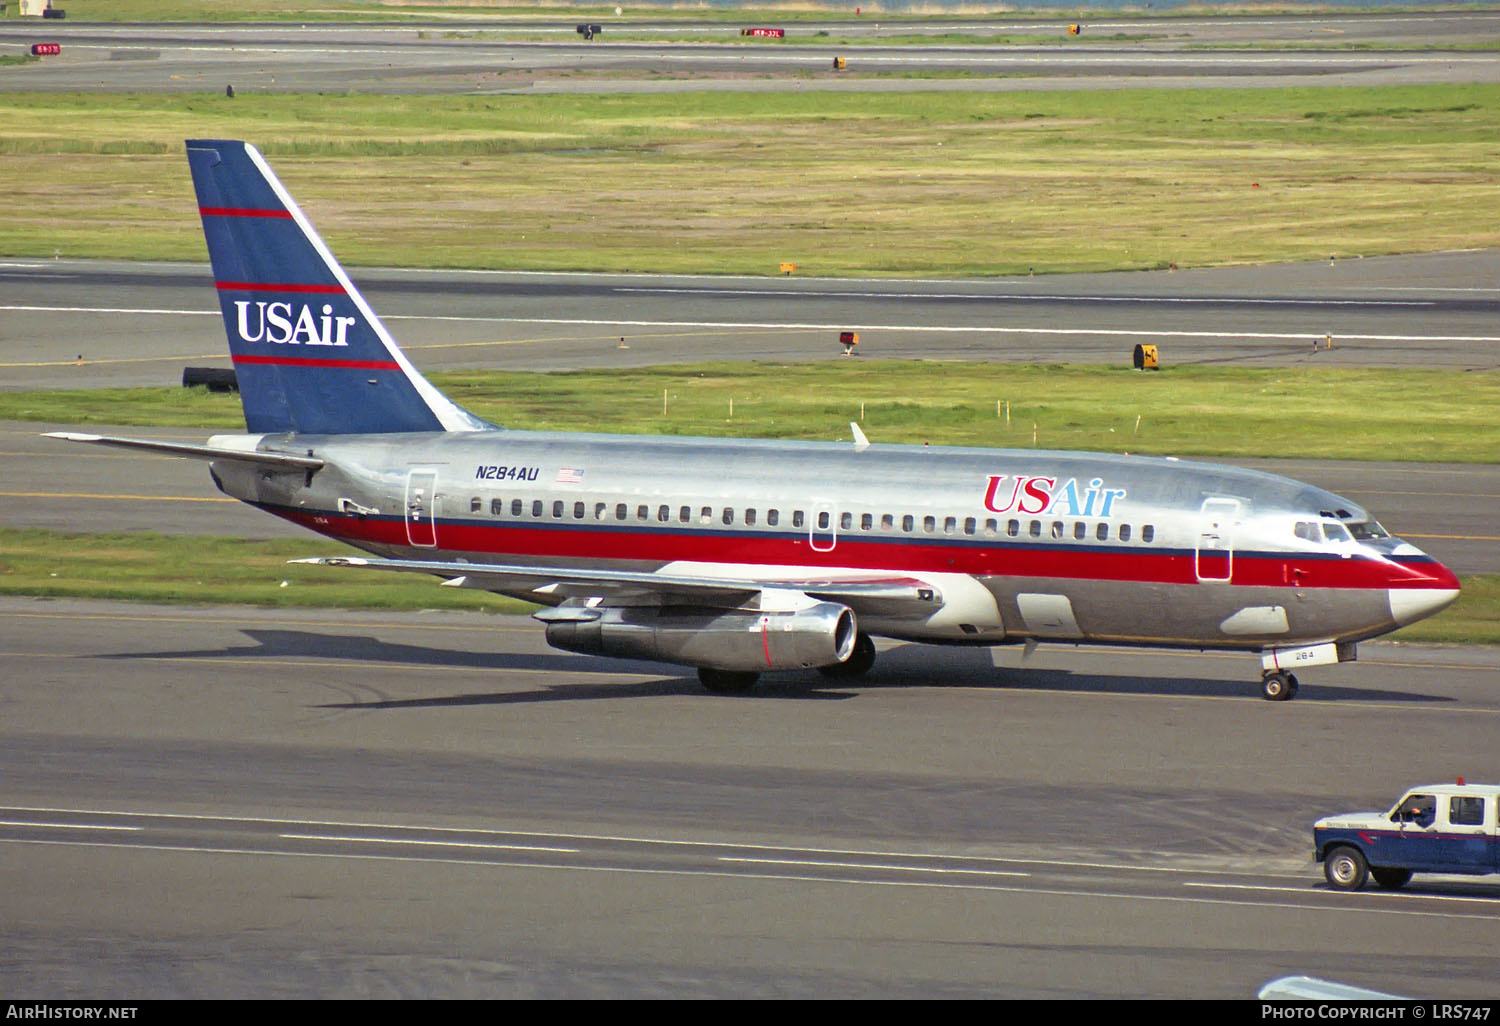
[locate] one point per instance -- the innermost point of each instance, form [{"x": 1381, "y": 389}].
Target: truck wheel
[
  {"x": 1391, "y": 879},
  {"x": 1345, "y": 869}
]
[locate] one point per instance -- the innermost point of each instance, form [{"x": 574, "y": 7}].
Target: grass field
[
  {"x": 232, "y": 571},
  {"x": 941, "y": 184},
  {"x": 1419, "y": 415}
]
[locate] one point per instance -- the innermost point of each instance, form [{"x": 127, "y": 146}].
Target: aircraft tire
[
  {"x": 1278, "y": 687},
  {"x": 1390, "y": 879},
  {"x": 726, "y": 682},
  {"x": 859, "y": 662},
  {"x": 1345, "y": 868}
]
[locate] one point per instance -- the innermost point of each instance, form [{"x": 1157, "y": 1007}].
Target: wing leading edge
[{"x": 884, "y": 596}]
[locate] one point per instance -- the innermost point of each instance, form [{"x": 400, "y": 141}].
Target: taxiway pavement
[{"x": 231, "y": 803}]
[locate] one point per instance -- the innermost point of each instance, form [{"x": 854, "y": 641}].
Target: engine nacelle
[{"x": 820, "y": 634}]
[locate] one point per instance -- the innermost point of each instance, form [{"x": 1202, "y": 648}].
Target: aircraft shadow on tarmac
[{"x": 902, "y": 666}]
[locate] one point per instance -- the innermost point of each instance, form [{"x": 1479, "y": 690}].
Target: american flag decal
[{"x": 570, "y": 475}]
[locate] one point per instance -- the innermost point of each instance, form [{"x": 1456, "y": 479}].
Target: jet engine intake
[{"x": 821, "y": 634}]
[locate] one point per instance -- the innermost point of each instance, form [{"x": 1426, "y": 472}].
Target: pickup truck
[{"x": 1441, "y": 828}]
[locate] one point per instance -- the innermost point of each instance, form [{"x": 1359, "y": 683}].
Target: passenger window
[
  {"x": 908, "y": 522},
  {"x": 578, "y": 510},
  {"x": 866, "y": 521},
  {"x": 516, "y": 507},
  {"x": 749, "y": 518},
  {"x": 663, "y": 513},
  {"x": 992, "y": 527},
  {"x": 622, "y": 511},
  {"x": 1466, "y": 811},
  {"x": 929, "y": 524},
  {"x": 598, "y": 511},
  {"x": 557, "y": 508},
  {"x": 797, "y": 518},
  {"x": 950, "y": 525},
  {"x": 824, "y": 520},
  {"x": 728, "y": 516},
  {"x": 476, "y": 505},
  {"x": 1057, "y": 528},
  {"x": 497, "y": 507},
  {"x": 846, "y": 521},
  {"x": 536, "y": 508},
  {"x": 1102, "y": 532},
  {"x": 1036, "y": 529},
  {"x": 643, "y": 513},
  {"x": 685, "y": 514},
  {"x": 1013, "y": 528},
  {"x": 887, "y": 522},
  {"x": 1080, "y": 530},
  {"x": 970, "y": 525},
  {"x": 706, "y": 515},
  {"x": 773, "y": 517},
  {"x": 1148, "y": 534},
  {"x": 1124, "y": 532}
]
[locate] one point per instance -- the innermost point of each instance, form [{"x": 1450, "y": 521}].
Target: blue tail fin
[{"x": 310, "y": 354}]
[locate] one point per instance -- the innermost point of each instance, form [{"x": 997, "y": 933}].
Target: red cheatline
[
  {"x": 561, "y": 540},
  {"x": 251, "y": 286},
  {"x": 242, "y": 212},
  {"x": 309, "y": 361}
]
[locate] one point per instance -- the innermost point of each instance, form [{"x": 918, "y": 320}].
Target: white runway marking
[{"x": 832, "y": 326}]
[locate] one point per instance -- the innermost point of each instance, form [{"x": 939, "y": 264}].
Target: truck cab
[{"x": 1439, "y": 828}]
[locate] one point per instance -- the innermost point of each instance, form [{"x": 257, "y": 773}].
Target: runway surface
[
  {"x": 230, "y": 803},
  {"x": 498, "y": 55},
  {"x": 139, "y": 324}
]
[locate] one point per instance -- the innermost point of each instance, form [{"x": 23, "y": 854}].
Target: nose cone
[{"x": 1424, "y": 588}]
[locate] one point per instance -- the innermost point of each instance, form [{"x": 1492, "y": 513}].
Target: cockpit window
[
  {"x": 1308, "y": 531},
  {"x": 1367, "y": 530},
  {"x": 1335, "y": 532}
]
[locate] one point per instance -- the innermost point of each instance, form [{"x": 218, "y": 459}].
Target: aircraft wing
[
  {"x": 198, "y": 452},
  {"x": 884, "y": 596}
]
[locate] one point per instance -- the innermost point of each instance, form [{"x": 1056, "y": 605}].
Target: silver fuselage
[{"x": 1065, "y": 546}]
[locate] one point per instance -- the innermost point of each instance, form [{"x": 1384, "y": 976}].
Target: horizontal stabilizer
[{"x": 196, "y": 452}]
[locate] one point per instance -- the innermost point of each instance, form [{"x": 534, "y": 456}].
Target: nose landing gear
[{"x": 1279, "y": 686}]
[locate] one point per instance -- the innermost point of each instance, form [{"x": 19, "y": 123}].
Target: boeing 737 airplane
[{"x": 739, "y": 557}]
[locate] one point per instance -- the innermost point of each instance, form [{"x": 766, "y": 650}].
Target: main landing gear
[
  {"x": 1279, "y": 686},
  {"x": 857, "y": 665},
  {"x": 727, "y": 682}
]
